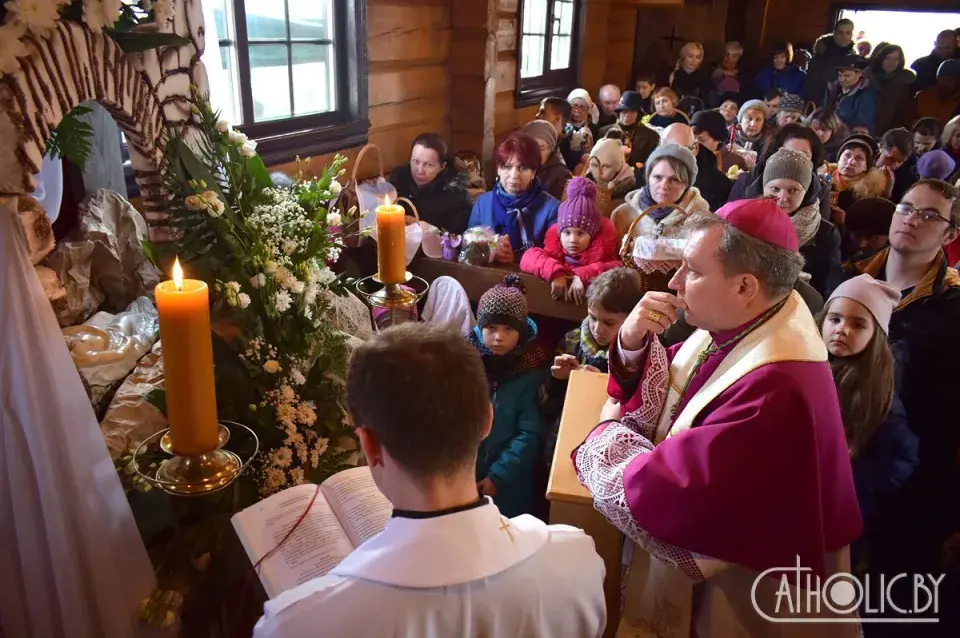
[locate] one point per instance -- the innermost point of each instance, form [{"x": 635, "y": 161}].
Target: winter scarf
[
  {"x": 657, "y": 214},
  {"x": 806, "y": 221},
  {"x": 588, "y": 345},
  {"x": 509, "y": 211},
  {"x": 523, "y": 358}
]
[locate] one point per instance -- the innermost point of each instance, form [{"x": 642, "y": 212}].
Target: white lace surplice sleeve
[{"x": 601, "y": 462}]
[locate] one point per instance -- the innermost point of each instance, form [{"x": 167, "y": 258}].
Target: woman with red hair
[{"x": 517, "y": 207}]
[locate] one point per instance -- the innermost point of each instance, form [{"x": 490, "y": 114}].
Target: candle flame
[
  {"x": 386, "y": 201},
  {"x": 177, "y": 274}
]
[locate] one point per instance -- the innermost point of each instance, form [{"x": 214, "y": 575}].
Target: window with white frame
[
  {"x": 548, "y": 54},
  {"x": 289, "y": 73}
]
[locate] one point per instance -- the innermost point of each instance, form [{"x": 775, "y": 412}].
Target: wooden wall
[
  {"x": 507, "y": 116},
  {"x": 408, "y": 46}
]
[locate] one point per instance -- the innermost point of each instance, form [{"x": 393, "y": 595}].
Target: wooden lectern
[{"x": 570, "y": 502}]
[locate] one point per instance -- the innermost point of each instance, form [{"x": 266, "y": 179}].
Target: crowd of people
[{"x": 804, "y": 220}]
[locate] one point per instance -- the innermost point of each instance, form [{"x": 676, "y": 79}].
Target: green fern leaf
[{"x": 71, "y": 138}]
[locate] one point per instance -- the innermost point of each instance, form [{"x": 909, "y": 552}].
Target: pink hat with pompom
[{"x": 579, "y": 209}]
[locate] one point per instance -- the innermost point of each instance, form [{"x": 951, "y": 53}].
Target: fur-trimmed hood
[{"x": 873, "y": 183}]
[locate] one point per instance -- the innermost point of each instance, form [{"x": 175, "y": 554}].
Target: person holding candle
[{"x": 517, "y": 207}]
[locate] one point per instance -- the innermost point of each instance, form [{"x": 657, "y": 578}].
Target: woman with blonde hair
[
  {"x": 689, "y": 77},
  {"x": 666, "y": 105}
]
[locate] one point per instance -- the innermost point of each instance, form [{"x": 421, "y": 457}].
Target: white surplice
[
  {"x": 73, "y": 562},
  {"x": 470, "y": 573}
]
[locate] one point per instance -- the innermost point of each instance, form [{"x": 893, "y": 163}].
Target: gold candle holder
[
  {"x": 195, "y": 474},
  {"x": 395, "y": 298}
]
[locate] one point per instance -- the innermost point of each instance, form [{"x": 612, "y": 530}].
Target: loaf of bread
[
  {"x": 52, "y": 288},
  {"x": 37, "y": 227}
]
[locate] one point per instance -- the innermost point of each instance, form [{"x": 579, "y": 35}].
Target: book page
[
  {"x": 317, "y": 545},
  {"x": 363, "y": 510}
]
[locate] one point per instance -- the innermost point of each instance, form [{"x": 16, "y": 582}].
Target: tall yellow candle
[
  {"x": 184, "y": 309},
  {"x": 391, "y": 250}
]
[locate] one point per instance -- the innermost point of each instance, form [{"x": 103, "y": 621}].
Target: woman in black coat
[{"x": 434, "y": 184}]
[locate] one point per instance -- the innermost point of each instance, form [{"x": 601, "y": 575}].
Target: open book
[{"x": 348, "y": 510}]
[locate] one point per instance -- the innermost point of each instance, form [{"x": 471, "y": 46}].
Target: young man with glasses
[{"x": 924, "y": 326}]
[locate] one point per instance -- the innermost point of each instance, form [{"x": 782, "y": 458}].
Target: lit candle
[
  {"x": 183, "y": 306},
  {"x": 391, "y": 249}
]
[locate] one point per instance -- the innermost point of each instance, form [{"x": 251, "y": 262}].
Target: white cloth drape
[
  {"x": 73, "y": 563},
  {"x": 447, "y": 302}
]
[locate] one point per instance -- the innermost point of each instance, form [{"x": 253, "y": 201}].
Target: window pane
[
  {"x": 266, "y": 20},
  {"x": 311, "y": 19},
  {"x": 535, "y": 16},
  {"x": 532, "y": 65},
  {"x": 269, "y": 81},
  {"x": 560, "y": 56},
  {"x": 563, "y": 12},
  {"x": 313, "y": 79},
  {"x": 224, "y": 95}
]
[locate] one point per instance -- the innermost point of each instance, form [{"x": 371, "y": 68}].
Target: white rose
[
  {"x": 244, "y": 299},
  {"x": 232, "y": 285},
  {"x": 223, "y": 126},
  {"x": 271, "y": 267},
  {"x": 335, "y": 187},
  {"x": 238, "y": 138},
  {"x": 333, "y": 219},
  {"x": 194, "y": 202},
  {"x": 215, "y": 210},
  {"x": 248, "y": 148},
  {"x": 271, "y": 367},
  {"x": 255, "y": 282},
  {"x": 261, "y": 280}
]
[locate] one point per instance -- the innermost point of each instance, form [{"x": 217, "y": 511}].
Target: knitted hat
[
  {"x": 936, "y": 164},
  {"x": 949, "y": 69},
  {"x": 763, "y": 220},
  {"x": 862, "y": 141},
  {"x": 750, "y": 105},
  {"x": 870, "y": 216},
  {"x": 542, "y": 131},
  {"x": 879, "y": 297},
  {"x": 609, "y": 151},
  {"x": 712, "y": 122},
  {"x": 504, "y": 304},
  {"x": 677, "y": 152},
  {"x": 788, "y": 164},
  {"x": 579, "y": 209},
  {"x": 791, "y": 102}
]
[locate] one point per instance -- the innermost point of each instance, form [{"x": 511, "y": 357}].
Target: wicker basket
[{"x": 653, "y": 281}]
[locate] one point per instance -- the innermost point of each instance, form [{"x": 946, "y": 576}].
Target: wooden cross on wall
[{"x": 673, "y": 38}]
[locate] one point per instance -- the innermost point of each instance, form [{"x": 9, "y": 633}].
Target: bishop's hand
[{"x": 656, "y": 312}]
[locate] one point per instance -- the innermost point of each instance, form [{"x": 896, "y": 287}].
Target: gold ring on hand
[{"x": 654, "y": 315}]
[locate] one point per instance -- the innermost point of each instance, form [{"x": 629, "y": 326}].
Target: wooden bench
[{"x": 476, "y": 280}]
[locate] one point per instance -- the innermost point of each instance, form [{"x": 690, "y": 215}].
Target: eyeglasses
[{"x": 926, "y": 216}]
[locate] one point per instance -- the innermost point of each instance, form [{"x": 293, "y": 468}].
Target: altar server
[
  {"x": 447, "y": 563},
  {"x": 725, "y": 461}
]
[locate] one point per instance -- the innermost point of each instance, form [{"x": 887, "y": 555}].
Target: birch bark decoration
[{"x": 144, "y": 92}]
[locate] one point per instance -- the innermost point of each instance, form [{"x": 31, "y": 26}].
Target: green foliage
[{"x": 71, "y": 138}]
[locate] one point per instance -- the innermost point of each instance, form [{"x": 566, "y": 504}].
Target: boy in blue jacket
[{"x": 505, "y": 338}]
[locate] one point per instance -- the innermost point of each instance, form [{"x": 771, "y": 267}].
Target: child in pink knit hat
[
  {"x": 580, "y": 246},
  {"x": 883, "y": 449}
]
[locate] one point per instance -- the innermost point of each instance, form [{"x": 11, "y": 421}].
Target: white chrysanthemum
[
  {"x": 271, "y": 366},
  {"x": 335, "y": 187},
  {"x": 276, "y": 478},
  {"x": 282, "y": 301},
  {"x": 37, "y": 16},
  {"x": 297, "y": 287},
  {"x": 163, "y": 13},
  {"x": 243, "y": 299},
  {"x": 282, "y": 457},
  {"x": 286, "y": 414},
  {"x": 297, "y": 377},
  {"x": 12, "y": 47},
  {"x": 296, "y": 476},
  {"x": 333, "y": 219},
  {"x": 287, "y": 394},
  {"x": 306, "y": 415}
]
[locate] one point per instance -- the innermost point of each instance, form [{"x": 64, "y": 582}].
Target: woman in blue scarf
[{"x": 517, "y": 207}]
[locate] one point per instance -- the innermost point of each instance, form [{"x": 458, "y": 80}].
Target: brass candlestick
[
  {"x": 196, "y": 474},
  {"x": 395, "y": 298}
]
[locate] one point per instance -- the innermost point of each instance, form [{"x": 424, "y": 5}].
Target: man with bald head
[
  {"x": 926, "y": 67},
  {"x": 609, "y": 98},
  {"x": 713, "y": 184}
]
